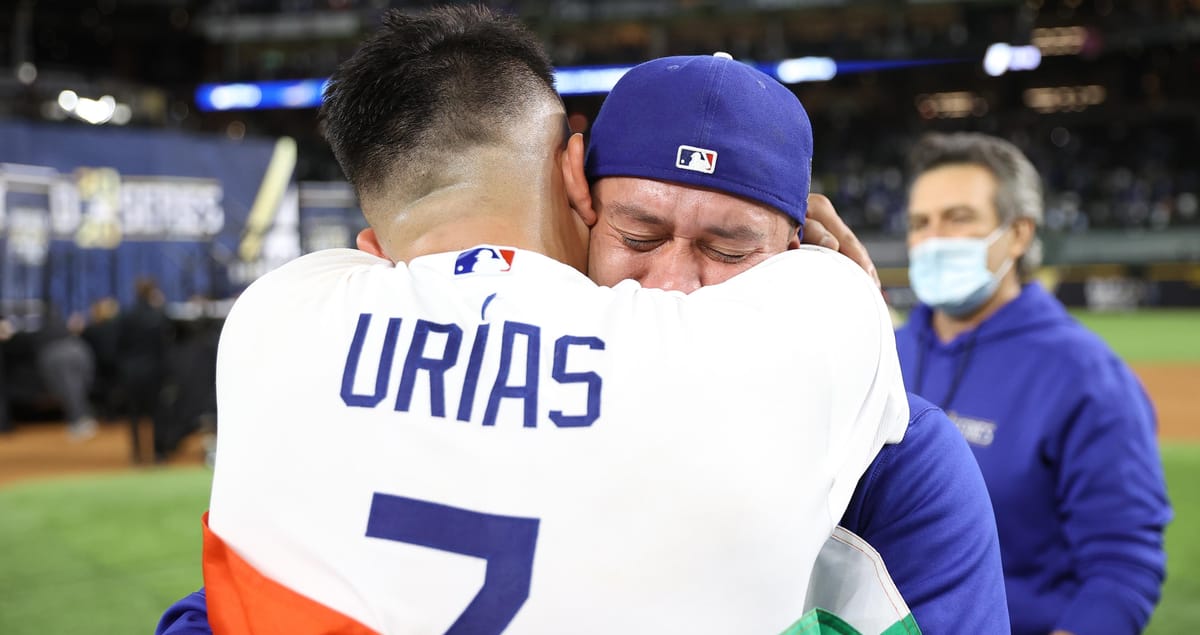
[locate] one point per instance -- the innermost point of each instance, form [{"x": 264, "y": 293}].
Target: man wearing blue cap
[
  {"x": 554, "y": 456},
  {"x": 663, "y": 219}
]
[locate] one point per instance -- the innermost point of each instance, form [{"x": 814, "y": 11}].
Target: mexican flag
[{"x": 851, "y": 593}]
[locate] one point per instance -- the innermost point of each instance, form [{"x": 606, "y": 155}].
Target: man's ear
[
  {"x": 368, "y": 241},
  {"x": 1024, "y": 231},
  {"x": 794, "y": 243},
  {"x": 579, "y": 193}
]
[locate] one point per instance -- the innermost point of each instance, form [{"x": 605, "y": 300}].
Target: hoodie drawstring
[{"x": 960, "y": 369}]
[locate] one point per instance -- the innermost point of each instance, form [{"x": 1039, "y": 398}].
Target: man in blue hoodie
[{"x": 1062, "y": 430}]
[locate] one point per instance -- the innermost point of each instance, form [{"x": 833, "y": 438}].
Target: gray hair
[{"x": 1018, "y": 185}]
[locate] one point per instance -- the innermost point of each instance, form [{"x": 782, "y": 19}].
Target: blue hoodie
[{"x": 1065, "y": 437}]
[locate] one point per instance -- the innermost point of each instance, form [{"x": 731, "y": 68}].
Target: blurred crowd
[
  {"x": 1107, "y": 176},
  {"x": 584, "y": 32},
  {"x": 130, "y": 363}
]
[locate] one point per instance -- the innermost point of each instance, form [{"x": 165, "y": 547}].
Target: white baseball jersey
[{"x": 487, "y": 441}]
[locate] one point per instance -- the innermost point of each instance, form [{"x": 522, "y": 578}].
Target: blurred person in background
[
  {"x": 142, "y": 335},
  {"x": 67, "y": 368},
  {"x": 1062, "y": 429},
  {"x": 101, "y": 335},
  {"x": 192, "y": 400},
  {"x": 6, "y": 333}
]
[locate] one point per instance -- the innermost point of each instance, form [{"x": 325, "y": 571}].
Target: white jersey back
[{"x": 487, "y": 439}]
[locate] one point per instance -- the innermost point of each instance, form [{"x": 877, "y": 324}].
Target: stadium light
[
  {"x": 96, "y": 111},
  {"x": 67, "y": 100},
  {"x": 1001, "y": 58},
  {"x": 93, "y": 111},
  {"x": 951, "y": 105},
  {"x": 588, "y": 80},
  {"x": 806, "y": 69},
  {"x": 1068, "y": 40},
  {"x": 1025, "y": 58},
  {"x": 1065, "y": 98},
  {"x": 26, "y": 73},
  {"x": 301, "y": 93},
  {"x": 569, "y": 80},
  {"x": 229, "y": 97},
  {"x": 122, "y": 113}
]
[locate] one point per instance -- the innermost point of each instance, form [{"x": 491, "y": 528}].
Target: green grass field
[
  {"x": 107, "y": 554},
  {"x": 1149, "y": 336},
  {"x": 1179, "y": 611},
  {"x": 99, "y": 555}
]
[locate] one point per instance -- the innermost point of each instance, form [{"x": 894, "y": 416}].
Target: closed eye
[
  {"x": 725, "y": 257},
  {"x": 639, "y": 244}
]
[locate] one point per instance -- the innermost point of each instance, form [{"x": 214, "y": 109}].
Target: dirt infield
[
  {"x": 1175, "y": 391},
  {"x": 42, "y": 449}
]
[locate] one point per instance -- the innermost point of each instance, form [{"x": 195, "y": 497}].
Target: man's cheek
[
  {"x": 604, "y": 267},
  {"x": 720, "y": 272},
  {"x": 626, "y": 264},
  {"x": 717, "y": 274}
]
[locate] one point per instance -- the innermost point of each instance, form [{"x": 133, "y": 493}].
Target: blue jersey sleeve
[
  {"x": 188, "y": 616},
  {"x": 924, "y": 506},
  {"x": 1114, "y": 505}
]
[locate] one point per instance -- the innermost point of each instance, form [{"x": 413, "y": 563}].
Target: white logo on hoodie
[{"x": 976, "y": 431}]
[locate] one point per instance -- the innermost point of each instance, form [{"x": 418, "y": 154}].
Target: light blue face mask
[{"x": 951, "y": 275}]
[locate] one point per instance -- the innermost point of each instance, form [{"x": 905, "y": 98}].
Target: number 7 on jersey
[{"x": 505, "y": 542}]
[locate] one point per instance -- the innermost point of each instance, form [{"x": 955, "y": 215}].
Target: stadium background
[{"x": 117, "y": 159}]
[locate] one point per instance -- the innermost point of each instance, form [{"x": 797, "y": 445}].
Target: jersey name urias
[{"x": 486, "y": 441}]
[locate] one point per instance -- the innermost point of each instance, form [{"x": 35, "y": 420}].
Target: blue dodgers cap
[{"x": 707, "y": 121}]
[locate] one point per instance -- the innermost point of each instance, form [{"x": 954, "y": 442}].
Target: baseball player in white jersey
[{"x": 463, "y": 434}]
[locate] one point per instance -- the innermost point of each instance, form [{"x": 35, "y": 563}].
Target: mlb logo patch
[
  {"x": 696, "y": 159},
  {"x": 484, "y": 260}
]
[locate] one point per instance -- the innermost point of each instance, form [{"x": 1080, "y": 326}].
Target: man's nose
[{"x": 674, "y": 270}]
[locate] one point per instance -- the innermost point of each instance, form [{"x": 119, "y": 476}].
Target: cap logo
[{"x": 696, "y": 159}]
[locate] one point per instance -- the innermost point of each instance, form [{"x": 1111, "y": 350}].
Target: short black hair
[{"x": 426, "y": 85}]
